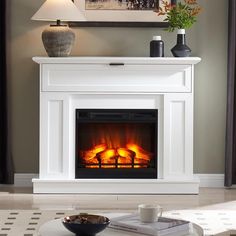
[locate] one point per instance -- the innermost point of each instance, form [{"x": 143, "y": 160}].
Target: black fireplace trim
[
  {"x": 113, "y": 115},
  {"x": 122, "y": 173}
]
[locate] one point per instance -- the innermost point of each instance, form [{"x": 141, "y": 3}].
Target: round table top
[{"x": 56, "y": 228}]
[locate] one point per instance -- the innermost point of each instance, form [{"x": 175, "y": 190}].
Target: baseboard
[
  {"x": 211, "y": 180},
  {"x": 24, "y": 180},
  {"x": 206, "y": 180}
]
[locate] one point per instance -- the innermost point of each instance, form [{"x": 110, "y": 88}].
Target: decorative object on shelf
[
  {"x": 156, "y": 47},
  {"x": 180, "y": 16},
  {"x": 181, "y": 49},
  {"x": 58, "y": 38}
]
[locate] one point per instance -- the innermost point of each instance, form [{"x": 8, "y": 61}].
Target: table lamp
[{"x": 58, "y": 38}]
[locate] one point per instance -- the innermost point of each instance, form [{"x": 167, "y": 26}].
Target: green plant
[{"x": 180, "y": 16}]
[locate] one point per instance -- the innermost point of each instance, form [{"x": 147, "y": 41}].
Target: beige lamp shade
[{"x": 64, "y": 10}]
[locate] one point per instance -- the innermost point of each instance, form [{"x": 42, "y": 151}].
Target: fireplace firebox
[{"x": 116, "y": 143}]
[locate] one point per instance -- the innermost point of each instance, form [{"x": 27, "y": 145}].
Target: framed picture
[{"x": 121, "y": 13}]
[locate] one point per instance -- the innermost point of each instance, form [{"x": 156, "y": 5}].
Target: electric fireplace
[
  {"x": 116, "y": 125},
  {"x": 116, "y": 143}
]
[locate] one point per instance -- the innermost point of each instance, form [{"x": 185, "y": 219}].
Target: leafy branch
[{"x": 180, "y": 16}]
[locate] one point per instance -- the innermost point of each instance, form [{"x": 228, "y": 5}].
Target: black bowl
[{"x": 85, "y": 224}]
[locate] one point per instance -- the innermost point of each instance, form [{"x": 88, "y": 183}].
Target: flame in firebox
[{"x": 102, "y": 156}]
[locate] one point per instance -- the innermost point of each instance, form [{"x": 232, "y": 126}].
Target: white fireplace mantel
[{"x": 70, "y": 83}]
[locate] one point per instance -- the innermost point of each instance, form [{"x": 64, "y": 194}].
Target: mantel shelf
[{"x": 125, "y": 60}]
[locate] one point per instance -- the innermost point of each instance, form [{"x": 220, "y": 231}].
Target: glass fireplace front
[{"x": 114, "y": 143}]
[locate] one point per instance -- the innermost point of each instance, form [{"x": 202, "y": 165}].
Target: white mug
[{"x": 149, "y": 213}]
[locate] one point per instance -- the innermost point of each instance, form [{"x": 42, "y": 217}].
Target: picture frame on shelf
[{"x": 121, "y": 13}]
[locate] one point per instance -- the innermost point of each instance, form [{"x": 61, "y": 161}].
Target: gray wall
[{"x": 207, "y": 39}]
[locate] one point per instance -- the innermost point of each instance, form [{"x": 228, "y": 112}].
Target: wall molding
[
  {"x": 24, "y": 180},
  {"x": 206, "y": 180},
  {"x": 211, "y": 180}
]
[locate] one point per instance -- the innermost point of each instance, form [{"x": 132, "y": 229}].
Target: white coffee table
[{"x": 56, "y": 228}]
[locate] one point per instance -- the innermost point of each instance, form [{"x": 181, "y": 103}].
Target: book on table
[{"x": 163, "y": 227}]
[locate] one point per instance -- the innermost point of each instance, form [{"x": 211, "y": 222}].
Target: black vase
[{"x": 181, "y": 49}]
